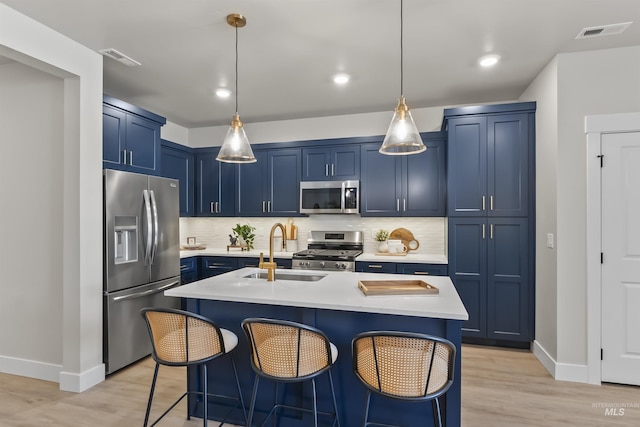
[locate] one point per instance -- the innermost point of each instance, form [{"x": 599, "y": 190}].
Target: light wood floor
[{"x": 500, "y": 387}]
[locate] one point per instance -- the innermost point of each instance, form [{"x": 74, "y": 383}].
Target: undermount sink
[{"x": 287, "y": 276}]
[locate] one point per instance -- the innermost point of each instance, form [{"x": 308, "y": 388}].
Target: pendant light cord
[
  {"x": 236, "y": 68},
  {"x": 401, "y": 51}
]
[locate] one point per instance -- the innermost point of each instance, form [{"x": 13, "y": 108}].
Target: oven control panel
[{"x": 305, "y": 264}]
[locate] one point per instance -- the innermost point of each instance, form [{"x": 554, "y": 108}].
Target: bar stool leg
[
  {"x": 253, "y": 401},
  {"x": 315, "y": 403},
  {"x": 335, "y": 403},
  {"x": 366, "y": 409},
  {"x": 235, "y": 373},
  {"x": 437, "y": 419},
  {"x": 153, "y": 387},
  {"x": 205, "y": 401}
]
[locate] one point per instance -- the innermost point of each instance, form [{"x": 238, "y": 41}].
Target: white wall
[
  {"x": 544, "y": 90},
  {"x": 595, "y": 82},
  {"x": 68, "y": 218},
  {"x": 31, "y": 214}
]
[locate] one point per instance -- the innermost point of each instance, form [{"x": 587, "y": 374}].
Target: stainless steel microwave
[{"x": 330, "y": 197}]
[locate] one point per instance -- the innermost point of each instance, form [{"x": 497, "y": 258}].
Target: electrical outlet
[{"x": 550, "y": 240}]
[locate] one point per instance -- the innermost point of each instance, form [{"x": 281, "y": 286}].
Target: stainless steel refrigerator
[{"x": 141, "y": 259}]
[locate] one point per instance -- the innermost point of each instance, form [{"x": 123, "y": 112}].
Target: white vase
[{"x": 383, "y": 246}]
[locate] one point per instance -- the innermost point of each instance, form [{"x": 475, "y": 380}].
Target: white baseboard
[
  {"x": 77, "y": 383},
  {"x": 561, "y": 371},
  {"x": 30, "y": 368}
]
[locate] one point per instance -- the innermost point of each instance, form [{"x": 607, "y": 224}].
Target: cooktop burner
[
  {"x": 330, "y": 250},
  {"x": 329, "y": 254}
]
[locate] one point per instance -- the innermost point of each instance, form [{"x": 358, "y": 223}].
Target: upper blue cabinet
[
  {"x": 215, "y": 184},
  {"x": 333, "y": 163},
  {"x": 413, "y": 185},
  {"x": 178, "y": 163},
  {"x": 489, "y": 160},
  {"x": 130, "y": 137}
]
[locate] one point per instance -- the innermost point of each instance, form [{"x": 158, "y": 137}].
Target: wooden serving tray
[{"x": 397, "y": 287}]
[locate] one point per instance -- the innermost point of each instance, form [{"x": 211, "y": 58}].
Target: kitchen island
[{"x": 334, "y": 304}]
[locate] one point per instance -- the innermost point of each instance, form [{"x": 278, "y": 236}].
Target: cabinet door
[
  {"x": 251, "y": 186},
  {"x": 315, "y": 164},
  {"x": 467, "y": 166},
  {"x": 380, "y": 185},
  {"x": 114, "y": 124},
  {"x": 212, "y": 266},
  {"x": 508, "y": 287},
  {"x": 468, "y": 270},
  {"x": 143, "y": 145},
  {"x": 423, "y": 181},
  {"x": 507, "y": 166},
  {"x": 215, "y": 185},
  {"x": 283, "y": 193},
  {"x": 179, "y": 164},
  {"x": 345, "y": 163}
]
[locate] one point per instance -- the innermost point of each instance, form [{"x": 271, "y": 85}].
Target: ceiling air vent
[
  {"x": 120, "y": 57},
  {"x": 603, "y": 30}
]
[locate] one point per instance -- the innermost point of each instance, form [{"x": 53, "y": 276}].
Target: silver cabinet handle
[
  {"x": 483, "y": 202},
  {"x": 483, "y": 232},
  {"x": 212, "y": 208},
  {"x": 423, "y": 273},
  {"x": 332, "y": 169},
  {"x": 374, "y": 266},
  {"x": 269, "y": 206},
  {"x": 326, "y": 169},
  {"x": 398, "y": 205},
  {"x": 491, "y": 202},
  {"x": 404, "y": 205},
  {"x": 216, "y": 207},
  {"x": 130, "y": 158},
  {"x": 263, "y": 206},
  {"x": 124, "y": 155},
  {"x": 491, "y": 231}
]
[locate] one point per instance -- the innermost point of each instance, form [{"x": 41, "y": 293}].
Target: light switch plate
[{"x": 550, "y": 240}]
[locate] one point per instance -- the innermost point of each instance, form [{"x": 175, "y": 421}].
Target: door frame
[{"x": 595, "y": 127}]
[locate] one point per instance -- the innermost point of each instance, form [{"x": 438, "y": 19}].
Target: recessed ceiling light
[
  {"x": 489, "y": 60},
  {"x": 341, "y": 79},
  {"x": 223, "y": 92}
]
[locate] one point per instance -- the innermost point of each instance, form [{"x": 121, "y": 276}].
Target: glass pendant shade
[
  {"x": 402, "y": 137},
  {"x": 236, "y": 147}
]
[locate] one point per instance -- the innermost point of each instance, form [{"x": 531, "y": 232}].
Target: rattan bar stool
[
  {"x": 284, "y": 351},
  {"x": 405, "y": 366},
  {"x": 181, "y": 338}
]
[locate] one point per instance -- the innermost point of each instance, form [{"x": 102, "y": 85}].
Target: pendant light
[
  {"x": 402, "y": 137},
  {"x": 236, "y": 147}
]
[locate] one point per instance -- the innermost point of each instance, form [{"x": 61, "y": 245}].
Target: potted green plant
[
  {"x": 382, "y": 236},
  {"x": 246, "y": 233}
]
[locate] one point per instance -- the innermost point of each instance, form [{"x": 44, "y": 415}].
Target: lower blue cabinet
[
  {"x": 188, "y": 270},
  {"x": 489, "y": 266},
  {"x": 213, "y": 265},
  {"x": 402, "y": 268}
]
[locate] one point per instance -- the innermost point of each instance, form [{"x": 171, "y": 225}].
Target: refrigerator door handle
[
  {"x": 156, "y": 226},
  {"x": 147, "y": 208},
  {"x": 145, "y": 293}
]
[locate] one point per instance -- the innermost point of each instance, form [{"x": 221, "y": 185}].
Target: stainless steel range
[{"x": 330, "y": 250}]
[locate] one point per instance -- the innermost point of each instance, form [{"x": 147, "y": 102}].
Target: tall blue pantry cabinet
[{"x": 491, "y": 211}]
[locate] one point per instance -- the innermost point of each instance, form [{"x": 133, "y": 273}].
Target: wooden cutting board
[
  {"x": 407, "y": 238},
  {"x": 397, "y": 287}
]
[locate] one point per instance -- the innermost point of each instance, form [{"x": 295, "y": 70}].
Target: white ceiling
[{"x": 290, "y": 49}]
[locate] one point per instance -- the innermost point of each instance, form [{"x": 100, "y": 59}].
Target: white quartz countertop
[
  {"x": 335, "y": 291},
  {"x": 368, "y": 257}
]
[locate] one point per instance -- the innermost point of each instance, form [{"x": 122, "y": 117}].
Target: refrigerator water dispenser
[{"x": 126, "y": 239}]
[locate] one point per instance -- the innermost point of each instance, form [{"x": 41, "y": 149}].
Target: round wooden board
[{"x": 407, "y": 238}]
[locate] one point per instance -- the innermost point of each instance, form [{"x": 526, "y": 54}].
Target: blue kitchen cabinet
[
  {"x": 488, "y": 166},
  {"x": 178, "y": 163},
  {"x": 334, "y": 163},
  {"x": 188, "y": 270},
  {"x": 215, "y": 185},
  {"x": 213, "y": 265},
  {"x": 130, "y": 137},
  {"x": 375, "y": 267},
  {"x": 421, "y": 269},
  {"x": 254, "y": 262},
  {"x": 489, "y": 265},
  {"x": 271, "y": 186},
  {"x": 413, "y": 185}
]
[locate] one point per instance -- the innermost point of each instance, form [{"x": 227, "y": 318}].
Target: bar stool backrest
[
  {"x": 404, "y": 365},
  {"x": 180, "y": 338},
  {"x": 287, "y": 350}
]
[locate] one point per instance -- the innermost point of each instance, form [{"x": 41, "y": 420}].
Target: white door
[{"x": 621, "y": 249}]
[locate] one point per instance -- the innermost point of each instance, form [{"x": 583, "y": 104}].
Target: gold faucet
[{"x": 271, "y": 265}]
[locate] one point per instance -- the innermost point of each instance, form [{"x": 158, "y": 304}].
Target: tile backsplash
[{"x": 430, "y": 232}]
